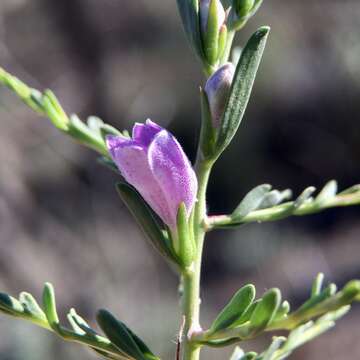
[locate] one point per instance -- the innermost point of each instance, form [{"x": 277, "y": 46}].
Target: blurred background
[{"x": 125, "y": 61}]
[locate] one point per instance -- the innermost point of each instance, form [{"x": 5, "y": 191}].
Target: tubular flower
[{"x": 156, "y": 165}]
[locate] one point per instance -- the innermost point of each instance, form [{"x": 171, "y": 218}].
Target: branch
[
  {"x": 120, "y": 342},
  {"x": 91, "y": 134},
  {"x": 263, "y": 205}
]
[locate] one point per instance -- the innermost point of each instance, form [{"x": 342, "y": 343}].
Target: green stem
[{"x": 191, "y": 276}]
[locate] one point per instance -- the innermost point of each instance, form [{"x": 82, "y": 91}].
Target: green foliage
[
  {"x": 282, "y": 347},
  {"x": 261, "y": 204},
  {"x": 120, "y": 342},
  {"x": 241, "y": 12},
  {"x": 189, "y": 13},
  {"x": 244, "y": 78},
  {"x": 91, "y": 134},
  {"x": 151, "y": 225},
  {"x": 234, "y": 310},
  {"x": 244, "y": 319}
]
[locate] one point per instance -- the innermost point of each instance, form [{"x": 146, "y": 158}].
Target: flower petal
[
  {"x": 145, "y": 133},
  {"x": 133, "y": 165},
  {"x": 173, "y": 172},
  {"x": 113, "y": 142}
]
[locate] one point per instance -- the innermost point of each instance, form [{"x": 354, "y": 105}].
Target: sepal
[{"x": 184, "y": 238}]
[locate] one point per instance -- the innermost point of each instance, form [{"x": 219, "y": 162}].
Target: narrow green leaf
[
  {"x": 243, "y": 7},
  {"x": 237, "y": 354},
  {"x": 142, "y": 346},
  {"x": 49, "y": 305},
  {"x": 241, "y": 89},
  {"x": 327, "y": 193},
  {"x": 106, "y": 355},
  {"x": 189, "y": 12},
  {"x": 185, "y": 241},
  {"x": 323, "y": 295},
  {"x": 82, "y": 133},
  {"x": 94, "y": 123},
  {"x": 54, "y": 111},
  {"x": 251, "y": 201},
  {"x": 107, "y": 129},
  {"x": 351, "y": 291},
  {"x": 317, "y": 285},
  {"x": 282, "y": 312},
  {"x": 211, "y": 38},
  {"x": 207, "y": 135},
  {"x": 118, "y": 334},
  {"x": 275, "y": 197},
  {"x": 147, "y": 220},
  {"x": 79, "y": 324},
  {"x": 265, "y": 310},
  {"x": 31, "y": 306},
  {"x": 233, "y": 311},
  {"x": 11, "y": 304},
  {"x": 246, "y": 316},
  {"x": 304, "y": 196},
  {"x": 351, "y": 190},
  {"x": 275, "y": 345}
]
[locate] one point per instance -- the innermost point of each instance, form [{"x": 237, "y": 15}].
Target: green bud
[
  {"x": 243, "y": 7},
  {"x": 241, "y": 12},
  {"x": 212, "y": 19}
]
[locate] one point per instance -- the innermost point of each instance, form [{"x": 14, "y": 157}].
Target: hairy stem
[{"x": 191, "y": 277}]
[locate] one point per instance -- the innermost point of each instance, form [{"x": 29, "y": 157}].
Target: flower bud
[
  {"x": 212, "y": 21},
  {"x": 204, "y": 14},
  {"x": 243, "y": 7},
  {"x": 241, "y": 12},
  {"x": 217, "y": 89}
]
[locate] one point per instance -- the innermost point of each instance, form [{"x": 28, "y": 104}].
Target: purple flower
[
  {"x": 156, "y": 165},
  {"x": 217, "y": 89}
]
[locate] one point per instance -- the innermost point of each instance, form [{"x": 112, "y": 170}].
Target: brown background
[{"x": 61, "y": 220}]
